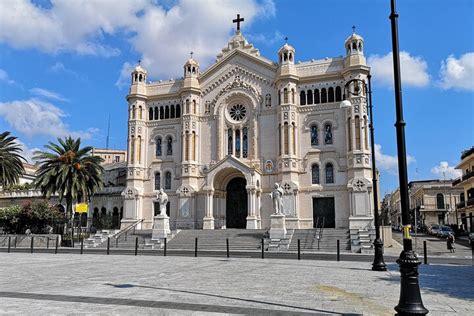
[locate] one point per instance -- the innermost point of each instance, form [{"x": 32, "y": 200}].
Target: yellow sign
[
  {"x": 406, "y": 232},
  {"x": 82, "y": 208}
]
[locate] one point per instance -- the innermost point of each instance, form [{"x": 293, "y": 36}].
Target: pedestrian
[{"x": 450, "y": 243}]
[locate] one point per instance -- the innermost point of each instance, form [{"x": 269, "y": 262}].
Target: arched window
[
  {"x": 314, "y": 135},
  {"x": 357, "y": 132},
  {"x": 338, "y": 94},
  {"x": 315, "y": 174},
  {"x": 132, "y": 150},
  {"x": 193, "y": 145},
  {"x": 309, "y": 95},
  {"x": 324, "y": 96},
  {"x": 140, "y": 112},
  {"x": 245, "y": 144},
  {"x": 237, "y": 143},
  {"x": 156, "y": 113},
  {"x": 194, "y": 106},
  {"x": 186, "y": 146},
  {"x": 173, "y": 112},
  {"x": 230, "y": 142},
  {"x": 440, "y": 201},
  {"x": 158, "y": 147},
  {"x": 178, "y": 110},
  {"x": 186, "y": 111},
  {"x": 167, "y": 112},
  {"x": 294, "y": 137},
  {"x": 279, "y": 97},
  {"x": 285, "y": 138},
  {"x": 331, "y": 94},
  {"x": 139, "y": 149},
  {"x": 293, "y": 96},
  {"x": 169, "y": 146},
  {"x": 327, "y": 134},
  {"x": 366, "y": 134},
  {"x": 279, "y": 139},
  {"x": 140, "y": 77},
  {"x": 103, "y": 211},
  {"x": 162, "y": 113},
  {"x": 168, "y": 180},
  {"x": 329, "y": 173},
  {"x": 150, "y": 114},
  {"x": 285, "y": 95},
  {"x": 349, "y": 133},
  {"x": 157, "y": 181},
  {"x": 134, "y": 111},
  {"x": 302, "y": 98},
  {"x": 316, "y": 97}
]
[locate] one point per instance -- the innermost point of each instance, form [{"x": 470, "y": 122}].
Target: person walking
[{"x": 450, "y": 243}]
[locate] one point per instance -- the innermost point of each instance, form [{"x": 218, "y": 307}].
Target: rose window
[{"x": 237, "y": 112}]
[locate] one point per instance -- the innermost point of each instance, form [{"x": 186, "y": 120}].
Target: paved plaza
[{"x": 45, "y": 284}]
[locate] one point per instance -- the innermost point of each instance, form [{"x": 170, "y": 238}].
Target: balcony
[
  {"x": 463, "y": 178},
  {"x": 470, "y": 202},
  {"x": 460, "y": 205}
]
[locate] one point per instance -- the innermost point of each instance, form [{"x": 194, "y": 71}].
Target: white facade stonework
[{"x": 247, "y": 117}]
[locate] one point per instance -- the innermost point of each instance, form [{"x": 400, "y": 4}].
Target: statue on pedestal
[
  {"x": 277, "y": 197},
  {"x": 162, "y": 199}
]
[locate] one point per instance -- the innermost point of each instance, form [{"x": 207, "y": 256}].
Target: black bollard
[
  {"x": 56, "y": 246},
  {"x": 338, "y": 251},
  {"x": 227, "y": 247},
  {"x": 116, "y": 242},
  {"x": 195, "y": 247},
  {"x": 164, "y": 249},
  {"x": 9, "y": 242},
  {"x": 299, "y": 250},
  {"x": 263, "y": 248},
  {"x": 108, "y": 245},
  {"x": 32, "y": 243},
  {"x": 47, "y": 243},
  {"x": 136, "y": 246},
  {"x": 425, "y": 252},
  {"x": 82, "y": 245}
]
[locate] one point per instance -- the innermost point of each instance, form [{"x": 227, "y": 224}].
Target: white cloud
[
  {"x": 414, "y": 69},
  {"x": 388, "y": 163},
  {"x": 48, "y": 94},
  {"x": 458, "y": 73},
  {"x": 163, "y": 35},
  {"x": 267, "y": 39},
  {"x": 5, "y": 78},
  {"x": 59, "y": 67},
  {"x": 443, "y": 169},
  {"x": 34, "y": 117},
  {"x": 124, "y": 78}
]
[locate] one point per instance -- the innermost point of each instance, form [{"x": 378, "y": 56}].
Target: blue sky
[{"x": 64, "y": 65}]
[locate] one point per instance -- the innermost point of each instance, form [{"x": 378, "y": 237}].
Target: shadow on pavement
[{"x": 451, "y": 280}]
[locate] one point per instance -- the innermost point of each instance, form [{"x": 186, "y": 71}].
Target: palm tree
[
  {"x": 11, "y": 161},
  {"x": 70, "y": 171}
]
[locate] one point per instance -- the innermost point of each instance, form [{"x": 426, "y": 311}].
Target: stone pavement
[{"x": 45, "y": 284}]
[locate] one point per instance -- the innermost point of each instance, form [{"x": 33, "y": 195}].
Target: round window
[{"x": 237, "y": 112}]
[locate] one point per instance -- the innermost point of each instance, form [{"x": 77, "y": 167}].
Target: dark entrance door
[
  {"x": 236, "y": 204},
  {"x": 324, "y": 208}
]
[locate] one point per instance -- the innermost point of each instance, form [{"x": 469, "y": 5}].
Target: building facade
[
  {"x": 110, "y": 155},
  {"x": 465, "y": 183},
  {"x": 218, "y": 140}
]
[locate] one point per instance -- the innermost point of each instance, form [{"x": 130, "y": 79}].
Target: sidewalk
[{"x": 43, "y": 284}]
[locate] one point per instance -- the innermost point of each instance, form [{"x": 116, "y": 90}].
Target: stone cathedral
[{"x": 217, "y": 140}]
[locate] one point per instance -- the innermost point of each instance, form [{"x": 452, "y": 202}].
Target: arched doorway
[{"x": 236, "y": 203}]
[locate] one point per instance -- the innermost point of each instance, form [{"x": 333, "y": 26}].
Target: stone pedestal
[
  {"x": 278, "y": 226},
  {"x": 161, "y": 227},
  {"x": 252, "y": 222},
  {"x": 208, "y": 223}
]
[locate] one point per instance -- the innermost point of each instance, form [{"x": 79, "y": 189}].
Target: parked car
[
  {"x": 444, "y": 231},
  {"x": 433, "y": 229},
  {"x": 471, "y": 238}
]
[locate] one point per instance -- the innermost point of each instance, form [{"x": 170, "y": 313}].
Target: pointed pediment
[{"x": 232, "y": 162}]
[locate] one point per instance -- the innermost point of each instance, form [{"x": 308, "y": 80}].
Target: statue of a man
[
  {"x": 277, "y": 197},
  {"x": 162, "y": 198}
]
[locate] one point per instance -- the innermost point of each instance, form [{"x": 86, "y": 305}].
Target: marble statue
[
  {"x": 162, "y": 198},
  {"x": 277, "y": 197}
]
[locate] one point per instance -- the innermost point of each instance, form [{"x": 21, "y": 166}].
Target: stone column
[
  {"x": 251, "y": 218},
  {"x": 208, "y": 220},
  {"x": 190, "y": 148},
  {"x": 290, "y": 139},
  {"x": 282, "y": 139},
  {"x": 183, "y": 146}
]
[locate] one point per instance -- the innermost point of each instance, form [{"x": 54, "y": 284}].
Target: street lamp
[
  {"x": 410, "y": 302},
  {"x": 378, "y": 264}
]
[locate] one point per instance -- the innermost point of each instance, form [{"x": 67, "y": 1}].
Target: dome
[
  {"x": 354, "y": 37},
  {"x": 139, "y": 68},
  {"x": 191, "y": 62},
  {"x": 286, "y": 47}
]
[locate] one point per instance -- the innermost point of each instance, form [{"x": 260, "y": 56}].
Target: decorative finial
[
  {"x": 238, "y": 20},
  {"x": 286, "y": 40},
  {"x": 353, "y": 29},
  {"x": 192, "y": 55},
  {"x": 139, "y": 62}
]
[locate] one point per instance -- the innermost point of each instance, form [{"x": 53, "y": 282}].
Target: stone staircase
[
  {"x": 239, "y": 239},
  {"x": 362, "y": 240},
  {"x": 99, "y": 240},
  {"x": 328, "y": 242}
]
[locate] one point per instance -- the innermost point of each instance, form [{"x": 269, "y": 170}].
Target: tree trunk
[{"x": 69, "y": 217}]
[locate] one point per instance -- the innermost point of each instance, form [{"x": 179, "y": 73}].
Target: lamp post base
[
  {"x": 410, "y": 302},
  {"x": 378, "y": 264}
]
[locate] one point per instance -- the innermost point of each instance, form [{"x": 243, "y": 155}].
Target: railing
[
  {"x": 464, "y": 177},
  {"x": 461, "y": 205},
  {"x": 470, "y": 202},
  {"x": 319, "y": 234},
  {"x": 124, "y": 233}
]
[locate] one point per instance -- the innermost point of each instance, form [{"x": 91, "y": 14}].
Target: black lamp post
[
  {"x": 378, "y": 264},
  {"x": 410, "y": 302}
]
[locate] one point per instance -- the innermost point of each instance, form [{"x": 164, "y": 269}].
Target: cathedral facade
[{"x": 218, "y": 140}]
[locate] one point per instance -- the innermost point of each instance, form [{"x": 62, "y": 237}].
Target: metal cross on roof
[
  {"x": 286, "y": 39},
  {"x": 353, "y": 28},
  {"x": 238, "y": 20},
  {"x": 192, "y": 54},
  {"x": 139, "y": 61}
]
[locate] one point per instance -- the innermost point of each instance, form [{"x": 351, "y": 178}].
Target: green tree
[
  {"x": 11, "y": 161},
  {"x": 70, "y": 171}
]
